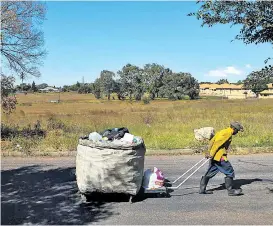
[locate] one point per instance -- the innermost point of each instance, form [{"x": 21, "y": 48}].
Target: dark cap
[{"x": 237, "y": 125}]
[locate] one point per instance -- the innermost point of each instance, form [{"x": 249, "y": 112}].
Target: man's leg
[
  {"x": 226, "y": 168},
  {"x": 211, "y": 172}
]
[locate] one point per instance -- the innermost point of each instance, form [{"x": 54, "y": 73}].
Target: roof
[
  {"x": 49, "y": 88},
  {"x": 267, "y": 92},
  {"x": 227, "y": 86}
]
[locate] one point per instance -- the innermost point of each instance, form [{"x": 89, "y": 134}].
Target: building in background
[
  {"x": 268, "y": 93},
  {"x": 49, "y": 89},
  {"x": 230, "y": 91}
]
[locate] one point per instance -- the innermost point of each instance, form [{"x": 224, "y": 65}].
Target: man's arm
[
  {"x": 211, "y": 142},
  {"x": 218, "y": 142},
  {"x": 227, "y": 144}
]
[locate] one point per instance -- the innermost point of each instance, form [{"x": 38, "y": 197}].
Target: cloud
[
  {"x": 232, "y": 71},
  {"x": 248, "y": 66},
  {"x": 224, "y": 72},
  {"x": 217, "y": 73}
]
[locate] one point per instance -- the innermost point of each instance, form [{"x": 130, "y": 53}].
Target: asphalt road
[{"x": 44, "y": 191}]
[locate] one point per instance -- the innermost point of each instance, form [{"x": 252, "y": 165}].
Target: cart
[
  {"x": 169, "y": 186},
  {"x": 165, "y": 190}
]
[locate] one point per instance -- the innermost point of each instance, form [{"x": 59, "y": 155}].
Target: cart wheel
[
  {"x": 131, "y": 199},
  {"x": 168, "y": 195}
]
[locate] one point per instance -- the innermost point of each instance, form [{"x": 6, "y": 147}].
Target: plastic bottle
[
  {"x": 95, "y": 137},
  {"x": 135, "y": 140}
]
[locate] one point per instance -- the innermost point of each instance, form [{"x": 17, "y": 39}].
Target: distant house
[
  {"x": 268, "y": 93},
  {"x": 49, "y": 89},
  {"x": 230, "y": 91}
]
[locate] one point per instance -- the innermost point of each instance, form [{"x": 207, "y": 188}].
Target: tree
[
  {"x": 21, "y": 39},
  {"x": 177, "y": 85},
  {"x": 8, "y": 102},
  {"x": 85, "y": 88},
  {"x": 138, "y": 83},
  {"x": 25, "y": 87},
  {"x": 222, "y": 81},
  {"x": 107, "y": 82},
  {"x": 205, "y": 83},
  {"x": 153, "y": 74},
  {"x": 254, "y": 16},
  {"x": 190, "y": 86},
  {"x": 33, "y": 87},
  {"x": 240, "y": 82},
  {"x": 257, "y": 80},
  {"x": 118, "y": 90},
  {"x": 65, "y": 88},
  {"x": 97, "y": 88},
  {"x": 42, "y": 86},
  {"x": 75, "y": 87},
  {"x": 22, "y": 77},
  {"x": 171, "y": 87},
  {"x": 131, "y": 80},
  {"x": 7, "y": 83}
]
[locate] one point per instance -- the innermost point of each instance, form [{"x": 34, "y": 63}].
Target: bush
[
  {"x": 146, "y": 100},
  {"x": 9, "y": 104},
  {"x": 55, "y": 124},
  {"x": 10, "y": 132},
  {"x": 36, "y": 132}
]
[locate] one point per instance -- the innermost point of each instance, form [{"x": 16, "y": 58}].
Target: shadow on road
[
  {"x": 252, "y": 162},
  {"x": 237, "y": 184},
  {"x": 34, "y": 195}
]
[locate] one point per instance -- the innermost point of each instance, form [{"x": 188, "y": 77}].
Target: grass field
[{"x": 163, "y": 124}]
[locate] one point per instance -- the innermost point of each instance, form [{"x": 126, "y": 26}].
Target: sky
[{"x": 84, "y": 38}]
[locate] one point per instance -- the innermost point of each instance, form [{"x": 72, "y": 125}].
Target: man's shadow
[{"x": 236, "y": 184}]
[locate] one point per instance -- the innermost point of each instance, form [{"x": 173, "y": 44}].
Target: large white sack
[
  {"x": 205, "y": 133},
  {"x": 114, "y": 169}
]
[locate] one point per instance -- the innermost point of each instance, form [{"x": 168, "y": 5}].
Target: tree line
[
  {"x": 156, "y": 81},
  {"x": 134, "y": 82}
]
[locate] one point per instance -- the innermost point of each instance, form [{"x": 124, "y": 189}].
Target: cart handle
[
  {"x": 186, "y": 172},
  {"x": 189, "y": 176}
]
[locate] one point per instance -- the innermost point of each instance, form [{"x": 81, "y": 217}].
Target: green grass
[{"x": 163, "y": 124}]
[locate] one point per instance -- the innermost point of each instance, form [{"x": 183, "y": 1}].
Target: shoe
[
  {"x": 203, "y": 184},
  {"x": 230, "y": 189}
]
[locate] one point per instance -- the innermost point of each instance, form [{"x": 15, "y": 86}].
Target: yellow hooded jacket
[{"x": 219, "y": 144}]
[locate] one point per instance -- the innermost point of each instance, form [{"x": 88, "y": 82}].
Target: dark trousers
[{"x": 223, "y": 166}]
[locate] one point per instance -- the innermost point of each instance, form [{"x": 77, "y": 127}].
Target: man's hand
[{"x": 207, "y": 155}]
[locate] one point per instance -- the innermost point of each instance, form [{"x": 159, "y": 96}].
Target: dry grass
[{"x": 163, "y": 124}]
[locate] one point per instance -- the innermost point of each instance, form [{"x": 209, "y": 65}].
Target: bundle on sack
[
  {"x": 203, "y": 134},
  {"x": 115, "y": 133},
  {"x": 110, "y": 168},
  {"x": 153, "y": 179}
]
